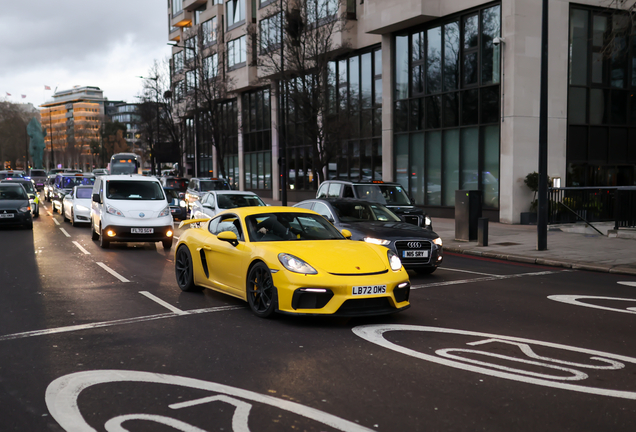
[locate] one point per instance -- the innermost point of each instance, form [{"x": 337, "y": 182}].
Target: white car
[
  {"x": 214, "y": 202},
  {"x": 130, "y": 208},
  {"x": 77, "y": 205}
]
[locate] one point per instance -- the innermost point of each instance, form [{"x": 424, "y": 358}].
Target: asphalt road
[{"x": 104, "y": 340}]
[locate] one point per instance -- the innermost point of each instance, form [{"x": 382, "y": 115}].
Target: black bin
[{"x": 467, "y": 214}]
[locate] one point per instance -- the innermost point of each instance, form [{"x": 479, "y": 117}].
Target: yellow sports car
[{"x": 289, "y": 260}]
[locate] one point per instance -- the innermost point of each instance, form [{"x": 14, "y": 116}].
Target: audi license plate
[
  {"x": 6, "y": 215},
  {"x": 415, "y": 254},
  {"x": 142, "y": 230},
  {"x": 368, "y": 290}
]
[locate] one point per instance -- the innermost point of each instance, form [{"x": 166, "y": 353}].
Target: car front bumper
[{"x": 117, "y": 233}]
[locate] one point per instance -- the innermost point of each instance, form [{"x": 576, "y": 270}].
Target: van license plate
[
  {"x": 142, "y": 230},
  {"x": 368, "y": 290}
]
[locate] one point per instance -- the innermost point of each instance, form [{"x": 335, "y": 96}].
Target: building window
[
  {"x": 197, "y": 14},
  {"x": 320, "y": 10},
  {"x": 446, "y": 112},
  {"x": 208, "y": 30},
  {"x": 235, "y": 12},
  {"x": 211, "y": 65},
  {"x": 191, "y": 49},
  {"x": 601, "y": 142},
  {"x": 191, "y": 81},
  {"x": 236, "y": 52},
  {"x": 257, "y": 139},
  {"x": 269, "y": 33},
  {"x": 177, "y": 7},
  {"x": 177, "y": 61}
]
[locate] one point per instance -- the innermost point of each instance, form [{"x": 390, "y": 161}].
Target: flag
[
  {"x": 23, "y": 96},
  {"x": 8, "y": 94},
  {"x": 47, "y": 87}
]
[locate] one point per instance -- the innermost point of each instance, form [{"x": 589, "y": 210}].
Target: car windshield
[
  {"x": 208, "y": 185},
  {"x": 177, "y": 183},
  {"x": 383, "y": 194},
  {"x": 11, "y": 174},
  {"x": 69, "y": 182},
  {"x": 363, "y": 212},
  {"x": 28, "y": 186},
  {"x": 290, "y": 227},
  {"x": 234, "y": 200},
  {"x": 12, "y": 192},
  {"x": 84, "y": 193},
  {"x": 37, "y": 173},
  {"x": 134, "y": 190}
]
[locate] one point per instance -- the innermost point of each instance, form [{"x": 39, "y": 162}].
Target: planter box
[{"x": 528, "y": 218}]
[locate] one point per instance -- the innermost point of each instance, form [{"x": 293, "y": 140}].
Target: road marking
[
  {"x": 466, "y": 271},
  {"x": 64, "y": 231},
  {"x": 56, "y": 222},
  {"x": 79, "y": 246},
  {"x": 486, "y": 279},
  {"x": 631, "y": 284},
  {"x": 113, "y": 272},
  {"x": 574, "y": 300},
  {"x": 113, "y": 323},
  {"x": 162, "y": 303},
  {"x": 48, "y": 212}
]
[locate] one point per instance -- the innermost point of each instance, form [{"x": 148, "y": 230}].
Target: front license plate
[
  {"x": 368, "y": 290},
  {"x": 415, "y": 254},
  {"x": 142, "y": 230},
  {"x": 6, "y": 215}
]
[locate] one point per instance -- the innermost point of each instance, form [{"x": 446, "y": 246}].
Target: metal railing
[{"x": 593, "y": 204}]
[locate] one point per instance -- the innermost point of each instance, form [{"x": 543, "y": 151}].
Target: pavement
[{"x": 576, "y": 246}]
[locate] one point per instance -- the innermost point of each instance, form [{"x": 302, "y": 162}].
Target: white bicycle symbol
[
  {"x": 62, "y": 395},
  {"x": 566, "y": 372}
]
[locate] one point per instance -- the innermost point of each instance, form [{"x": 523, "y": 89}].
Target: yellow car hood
[{"x": 344, "y": 257}]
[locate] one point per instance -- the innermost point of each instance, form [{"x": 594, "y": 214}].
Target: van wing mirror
[{"x": 97, "y": 198}]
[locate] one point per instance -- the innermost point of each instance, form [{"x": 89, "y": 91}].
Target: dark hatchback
[
  {"x": 14, "y": 206},
  {"x": 176, "y": 201},
  {"x": 420, "y": 249}
]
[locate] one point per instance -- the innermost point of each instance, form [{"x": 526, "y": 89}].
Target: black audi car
[{"x": 419, "y": 248}]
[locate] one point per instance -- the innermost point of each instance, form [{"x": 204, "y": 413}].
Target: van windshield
[{"x": 134, "y": 190}]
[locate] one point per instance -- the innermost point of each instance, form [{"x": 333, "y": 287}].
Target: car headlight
[
  {"x": 182, "y": 203},
  {"x": 81, "y": 207},
  {"x": 25, "y": 209},
  {"x": 427, "y": 221},
  {"x": 295, "y": 264},
  {"x": 112, "y": 210},
  {"x": 438, "y": 241},
  {"x": 377, "y": 241},
  {"x": 394, "y": 260}
]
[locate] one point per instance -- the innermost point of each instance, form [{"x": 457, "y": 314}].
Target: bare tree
[
  {"x": 313, "y": 33},
  {"x": 14, "y": 139}
]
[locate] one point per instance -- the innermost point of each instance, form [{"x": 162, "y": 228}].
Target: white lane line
[
  {"x": 79, "y": 246},
  {"x": 113, "y": 323},
  {"x": 162, "y": 303},
  {"x": 48, "y": 212},
  {"x": 486, "y": 279},
  {"x": 113, "y": 272},
  {"x": 467, "y": 271},
  {"x": 64, "y": 231},
  {"x": 56, "y": 222}
]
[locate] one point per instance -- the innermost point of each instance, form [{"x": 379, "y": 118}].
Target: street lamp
[
  {"x": 196, "y": 108},
  {"x": 152, "y": 156}
]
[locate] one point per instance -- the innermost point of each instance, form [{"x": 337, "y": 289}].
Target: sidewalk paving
[{"x": 570, "y": 246}]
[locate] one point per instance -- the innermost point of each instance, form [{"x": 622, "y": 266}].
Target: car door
[
  {"x": 226, "y": 262},
  {"x": 96, "y": 208}
]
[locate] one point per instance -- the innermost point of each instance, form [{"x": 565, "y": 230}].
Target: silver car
[{"x": 214, "y": 202}]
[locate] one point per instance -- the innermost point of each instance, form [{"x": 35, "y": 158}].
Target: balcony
[
  {"x": 181, "y": 19},
  {"x": 175, "y": 34},
  {"x": 381, "y": 16},
  {"x": 191, "y": 5}
]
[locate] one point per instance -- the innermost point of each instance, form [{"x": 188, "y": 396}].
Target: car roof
[
  {"x": 248, "y": 211},
  {"x": 232, "y": 192},
  {"x": 343, "y": 200},
  {"x": 136, "y": 177},
  {"x": 16, "y": 180},
  {"x": 363, "y": 182}
]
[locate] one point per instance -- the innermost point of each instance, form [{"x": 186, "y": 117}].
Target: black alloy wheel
[
  {"x": 261, "y": 292},
  {"x": 183, "y": 269}
]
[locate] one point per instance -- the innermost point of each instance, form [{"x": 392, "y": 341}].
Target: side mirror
[
  {"x": 209, "y": 206},
  {"x": 97, "y": 198},
  {"x": 181, "y": 195},
  {"x": 228, "y": 236},
  {"x": 346, "y": 233}
]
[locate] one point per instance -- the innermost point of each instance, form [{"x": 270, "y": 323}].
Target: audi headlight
[
  {"x": 112, "y": 210},
  {"x": 182, "y": 203},
  {"x": 295, "y": 264},
  {"x": 427, "y": 221},
  {"x": 438, "y": 241},
  {"x": 377, "y": 241},
  {"x": 165, "y": 212},
  {"x": 394, "y": 260}
]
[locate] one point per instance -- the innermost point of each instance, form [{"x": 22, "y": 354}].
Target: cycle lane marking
[
  {"x": 162, "y": 303},
  {"x": 102, "y": 324},
  {"x": 486, "y": 279},
  {"x": 574, "y": 300}
]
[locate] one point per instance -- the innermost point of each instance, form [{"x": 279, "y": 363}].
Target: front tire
[
  {"x": 64, "y": 215},
  {"x": 261, "y": 292},
  {"x": 94, "y": 234},
  {"x": 103, "y": 242},
  {"x": 183, "y": 270},
  {"x": 73, "y": 218},
  {"x": 167, "y": 244}
]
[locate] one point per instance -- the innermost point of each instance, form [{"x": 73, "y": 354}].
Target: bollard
[{"x": 482, "y": 232}]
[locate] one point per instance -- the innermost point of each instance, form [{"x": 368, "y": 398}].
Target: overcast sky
[{"x": 64, "y": 43}]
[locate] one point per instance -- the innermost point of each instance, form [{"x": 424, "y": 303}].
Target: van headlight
[
  {"x": 165, "y": 212},
  {"x": 394, "y": 260},
  {"x": 112, "y": 210}
]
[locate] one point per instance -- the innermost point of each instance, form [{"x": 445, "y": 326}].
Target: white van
[{"x": 130, "y": 208}]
